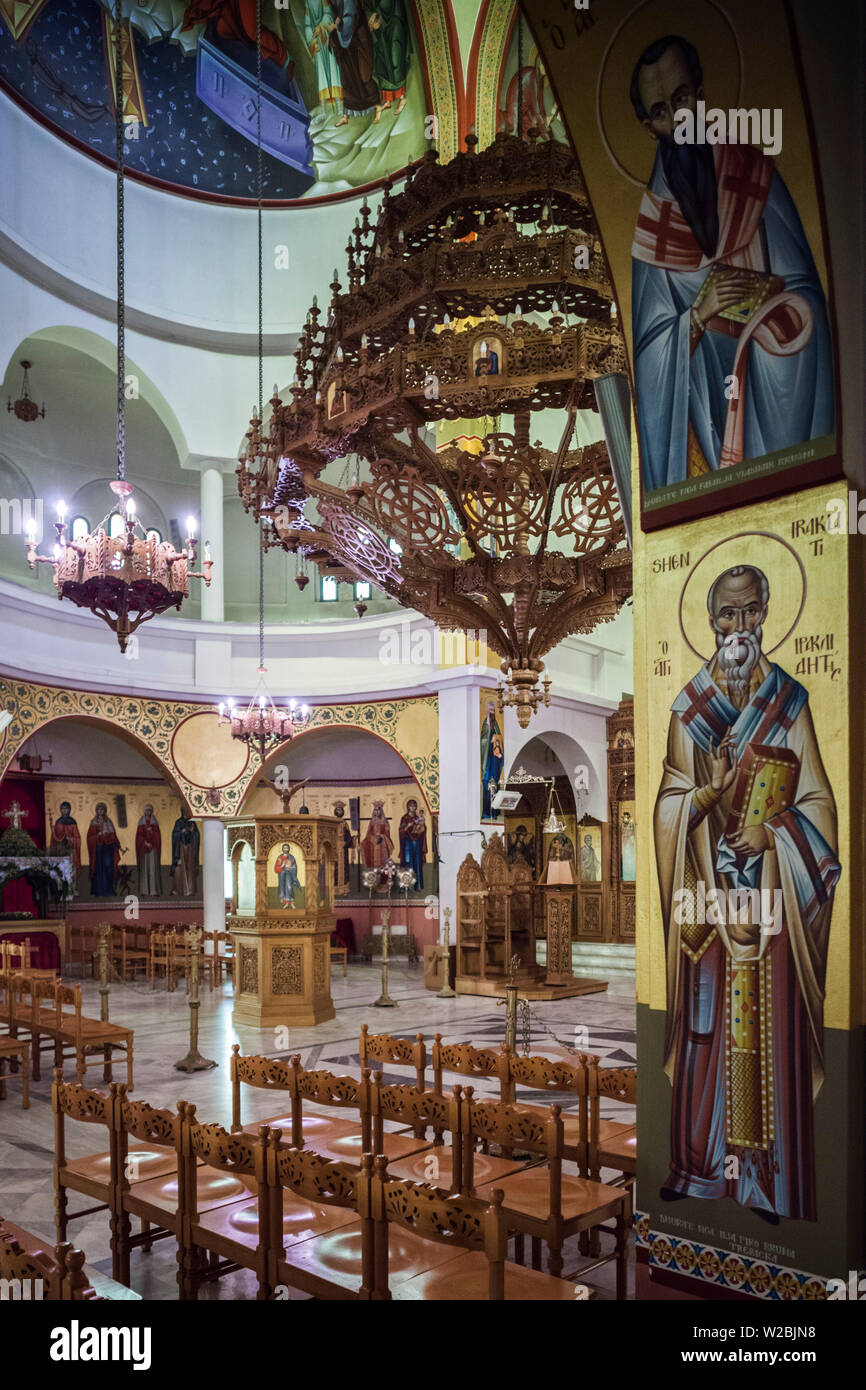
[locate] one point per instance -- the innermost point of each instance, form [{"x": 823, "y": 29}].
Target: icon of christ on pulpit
[{"x": 744, "y": 804}]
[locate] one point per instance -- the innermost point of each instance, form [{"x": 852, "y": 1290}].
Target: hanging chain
[
  {"x": 526, "y": 1020},
  {"x": 520, "y": 74},
  {"x": 121, "y": 286},
  {"x": 259, "y": 183}
]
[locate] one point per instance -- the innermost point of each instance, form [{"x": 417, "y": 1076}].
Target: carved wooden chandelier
[{"x": 480, "y": 293}]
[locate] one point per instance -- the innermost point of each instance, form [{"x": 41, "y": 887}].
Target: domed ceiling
[{"x": 353, "y": 90}]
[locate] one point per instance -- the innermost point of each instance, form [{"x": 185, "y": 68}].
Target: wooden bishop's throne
[{"x": 499, "y": 910}]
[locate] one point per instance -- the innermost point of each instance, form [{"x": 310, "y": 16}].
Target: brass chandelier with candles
[
  {"x": 122, "y": 573},
  {"x": 477, "y": 297}
]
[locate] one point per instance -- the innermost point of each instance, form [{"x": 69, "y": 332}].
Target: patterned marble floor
[{"x": 601, "y": 1023}]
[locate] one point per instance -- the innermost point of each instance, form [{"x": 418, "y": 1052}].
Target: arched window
[
  {"x": 154, "y": 535},
  {"x": 116, "y": 525},
  {"x": 330, "y": 589},
  {"x": 395, "y": 546},
  {"x": 79, "y": 528},
  {"x": 363, "y": 589}
]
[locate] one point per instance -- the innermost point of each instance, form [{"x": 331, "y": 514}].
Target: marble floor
[{"x": 603, "y": 1023}]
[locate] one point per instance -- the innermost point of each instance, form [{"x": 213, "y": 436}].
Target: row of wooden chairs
[
  {"x": 590, "y": 1141},
  {"x": 27, "y": 1262},
  {"x": 157, "y": 950},
  {"x": 49, "y": 1015},
  {"x": 546, "y": 1205},
  {"x": 296, "y": 1218}
]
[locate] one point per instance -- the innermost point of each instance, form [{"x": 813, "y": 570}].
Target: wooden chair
[
  {"x": 384, "y": 1047},
  {"x": 15, "y": 955},
  {"x": 92, "y": 1176},
  {"x": 208, "y": 960},
  {"x": 79, "y": 950},
  {"x": 340, "y": 953},
  {"x": 335, "y": 1139},
  {"x": 612, "y": 1143},
  {"x": 540, "y": 1201},
  {"x": 466, "y": 1060},
  {"x": 126, "y": 956},
  {"x": 82, "y": 1036},
  {"x": 58, "y": 1273},
  {"x": 144, "y": 1176},
  {"x": 477, "y": 1228},
  {"x": 6, "y": 977},
  {"x": 225, "y": 949},
  {"x": 233, "y": 1229},
  {"x": 32, "y": 1014},
  {"x": 439, "y": 1164},
  {"x": 319, "y": 1223},
  {"x": 554, "y": 1078},
  {"x": 265, "y": 1074},
  {"x": 160, "y": 944},
  {"x": 15, "y": 1048}
]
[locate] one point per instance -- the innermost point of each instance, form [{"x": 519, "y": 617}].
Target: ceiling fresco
[{"x": 352, "y": 90}]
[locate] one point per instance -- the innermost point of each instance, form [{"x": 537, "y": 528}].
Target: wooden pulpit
[{"x": 282, "y": 951}]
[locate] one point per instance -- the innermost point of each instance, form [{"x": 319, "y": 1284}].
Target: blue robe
[{"x": 788, "y": 399}]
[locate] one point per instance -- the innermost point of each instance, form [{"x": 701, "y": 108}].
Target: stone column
[
  {"x": 213, "y": 884},
  {"x": 460, "y": 783},
  {"x": 212, "y": 599}
]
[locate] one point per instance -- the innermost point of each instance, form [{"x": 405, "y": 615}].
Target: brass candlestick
[
  {"x": 104, "y": 933},
  {"x": 446, "y": 992},
  {"x": 385, "y": 1001},
  {"x": 193, "y": 1061}
]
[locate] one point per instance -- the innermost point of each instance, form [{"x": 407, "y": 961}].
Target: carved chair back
[
  {"x": 384, "y": 1047},
  {"x": 239, "y": 1154},
  {"x": 468, "y": 1223},
  {"x": 74, "y": 1102},
  {"x": 338, "y": 1092},
  {"x": 60, "y": 1270},
  {"x": 320, "y": 1181},
  {"x": 487, "y": 1122},
  {"x": 409, "y": 1106},
  {"x": 466, "y": 1060},
  {"x": 265, "y": 1073},
  {"x": 138, "y": 1120}
]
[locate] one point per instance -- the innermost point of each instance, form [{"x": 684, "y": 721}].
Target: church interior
[{"x": 431, "y": 612}]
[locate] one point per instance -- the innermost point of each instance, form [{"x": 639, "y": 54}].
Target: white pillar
[
  {"x": 460, "y": 788},
  {"x": 212, "y": 599},
  {"x": 213, "y": 881}
]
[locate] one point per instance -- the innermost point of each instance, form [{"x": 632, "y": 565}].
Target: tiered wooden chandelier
[{"x": 480, "y": 292}]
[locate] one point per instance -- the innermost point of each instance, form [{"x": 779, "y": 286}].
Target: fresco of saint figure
[
  {"x": 185, "y": 840},
  {"x": 413, "y": 841},
  {"x": 744, "y": 1029},
  {"x": 377, "y": 846},
  {"x": 148, "y": 852},
  {"x": 392, "y": 50},
  {"x": 352, "y": 46},
  {"x": 732, "y": 343},
  {"x": 104, "y": 850},
  {"x": 492, "y": 762},
  {"x": 65, "y": 836}
]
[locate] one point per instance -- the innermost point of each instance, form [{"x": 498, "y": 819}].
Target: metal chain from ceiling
[{"x": 121, "y": 284}]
